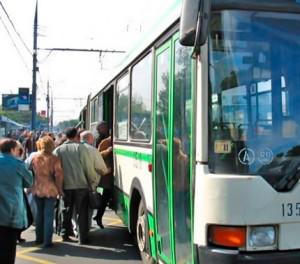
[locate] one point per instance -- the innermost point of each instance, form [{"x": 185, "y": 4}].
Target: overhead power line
[
  {"x": 100, "y": 51},
  {"x": 83, "y": 50},
  {"x": 12, "y": 24},
  {"x": 69, "y": 98},
  {"x": 15, "y": 45}
]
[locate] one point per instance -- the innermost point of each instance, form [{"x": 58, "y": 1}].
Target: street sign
[
  {"x": 23, "y": 99},
  {"x": 11, "y": 102}
]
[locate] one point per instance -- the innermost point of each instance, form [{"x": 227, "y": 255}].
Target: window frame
[
  {"x": 122, "y": 76},
  {"x": 147, "y": 140}
]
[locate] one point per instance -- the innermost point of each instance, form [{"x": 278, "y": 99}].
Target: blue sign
[
  {"x": 12, "y": 101},
  {"x": 23, "y": 96}
]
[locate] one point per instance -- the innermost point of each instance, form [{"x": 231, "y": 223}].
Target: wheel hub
[{"x": 140, "y": 233}]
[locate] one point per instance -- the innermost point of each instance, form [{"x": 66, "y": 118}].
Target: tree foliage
[
  {"x": 22, "y": 117},
  {"x": 67, "y": 123}
]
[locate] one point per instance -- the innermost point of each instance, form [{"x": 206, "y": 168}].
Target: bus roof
[
  {"x": 168, "y": 18},
  {"x": 172, "y": 14}
]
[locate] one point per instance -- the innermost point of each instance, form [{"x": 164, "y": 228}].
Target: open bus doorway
[{"x": 108, "y": 102}]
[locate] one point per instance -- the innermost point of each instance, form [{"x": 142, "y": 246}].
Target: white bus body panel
[
  {"x": 243, "y": 200},
  {"x": 128, "y": 168}
]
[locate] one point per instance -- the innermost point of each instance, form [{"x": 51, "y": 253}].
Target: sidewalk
[{"x": 112, "y": 244}]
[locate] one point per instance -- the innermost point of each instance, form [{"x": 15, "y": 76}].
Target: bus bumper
[{"x": 209, "y": 255}]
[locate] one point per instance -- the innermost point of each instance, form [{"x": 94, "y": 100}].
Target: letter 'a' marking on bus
[{"x": 246, "y": 156}]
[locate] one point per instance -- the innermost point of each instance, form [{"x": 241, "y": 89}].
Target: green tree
[
  {"x": 67, "y": 123},
  {"x": 23, "y": 117}
]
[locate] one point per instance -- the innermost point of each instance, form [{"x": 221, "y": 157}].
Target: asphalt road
[{"x": 110, "y": 245}]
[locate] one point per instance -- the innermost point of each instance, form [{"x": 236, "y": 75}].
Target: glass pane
[
  {"x": 182, "y": 146},
  {"x": 122, "y": 107},
  {"x": 100, "y": 109},
  {"x": 254, "y": 77},
  {"x": 93, "y": 111},
  {"x": 161, "y": 164},
  {"x": 140, "y": 127},
  {"x": 96, "y": 110}
]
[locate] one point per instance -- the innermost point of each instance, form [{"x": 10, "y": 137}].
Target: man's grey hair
[{"x": 85, "y": 135}]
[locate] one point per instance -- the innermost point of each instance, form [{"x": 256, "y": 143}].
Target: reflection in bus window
[
  {"x": 140, "y": 127},
  {"x": 254, "y": 92},
  {"x": 181, "y": 153},
  {"x": 161, "y": 166},
  {"x": 122, "y": 108}
]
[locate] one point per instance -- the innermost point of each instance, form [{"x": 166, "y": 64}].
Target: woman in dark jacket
[{"x": 14, "y": 177}]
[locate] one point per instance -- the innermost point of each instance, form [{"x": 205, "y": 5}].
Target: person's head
[
  {"x": 43, "y": 133},
  {"x": 60, "y": 140},
  {"x": 37, "y": 144},
  {"x": 30, "y": 134},
  {"x": 102, "y": 128},
  {"x": 24, "y": 133},
  {"x": 87, "y": 137},
  {"x": 80, "y": 130},
  {"x": 9, "y": 146},
  {"x": 20, "y": 150},
  {"x": 177, "y": 146},
  {"x": 46, "y": 144},
  {"x": 51, "y": 135},
  {"x": 71, "y": 133}
]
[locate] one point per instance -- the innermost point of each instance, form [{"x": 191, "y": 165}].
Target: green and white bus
[{"x": 206, "y": 134}]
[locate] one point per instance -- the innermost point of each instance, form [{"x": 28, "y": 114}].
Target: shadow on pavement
[{"x": 111, "y": 243}]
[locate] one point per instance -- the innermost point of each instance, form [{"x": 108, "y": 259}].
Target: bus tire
[{"x": 142, "y": 235}]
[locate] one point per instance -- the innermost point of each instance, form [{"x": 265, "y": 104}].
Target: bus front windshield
[{"x": 254, "y": 95}]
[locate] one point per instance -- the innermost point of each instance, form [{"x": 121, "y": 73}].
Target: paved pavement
[{"x": 110, "y": 245}]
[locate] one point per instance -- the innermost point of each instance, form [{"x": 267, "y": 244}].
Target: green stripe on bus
[
  {"x": 152, "y": 237},
  {"x": 134, "y": 155},
  {"x": 122, "y": 208}
]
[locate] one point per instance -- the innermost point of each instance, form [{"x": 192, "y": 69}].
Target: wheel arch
[{"x": 136, "y": 195}]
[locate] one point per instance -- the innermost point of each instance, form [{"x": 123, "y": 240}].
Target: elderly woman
[
  {"x": 19, "y": 155},
  {"x": 47, "y": 187},
  {"x": 14, "y": 177}
]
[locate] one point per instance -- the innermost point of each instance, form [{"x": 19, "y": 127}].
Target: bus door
[
  {"x": 172, "y": 152},
  {"x": 108, "y": 101}
]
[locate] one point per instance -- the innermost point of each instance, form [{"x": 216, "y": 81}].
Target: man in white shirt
[{"x": 87, "y": 138}]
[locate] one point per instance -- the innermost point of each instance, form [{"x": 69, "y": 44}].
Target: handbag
[
  {"x": 95, "y": 200},
  {"x": 28, "y": 212}
]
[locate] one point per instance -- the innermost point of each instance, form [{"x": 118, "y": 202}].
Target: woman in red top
[{"x": 48, "y": 181}]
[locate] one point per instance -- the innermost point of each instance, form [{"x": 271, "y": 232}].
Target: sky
[{"x": 84, "y": 24}]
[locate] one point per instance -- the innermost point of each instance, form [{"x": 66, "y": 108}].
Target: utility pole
[
  {"x": 48, "y": 106},
  {"x": 34, "y": 69},
  {"x": 51, "y": 120}
]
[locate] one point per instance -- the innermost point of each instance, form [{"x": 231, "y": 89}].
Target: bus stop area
[
  {"x": 8, "y": 126},
  {"x": 113, "y": 244}
]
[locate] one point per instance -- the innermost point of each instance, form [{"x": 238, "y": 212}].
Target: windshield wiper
[{"x": 291, "y": 171}]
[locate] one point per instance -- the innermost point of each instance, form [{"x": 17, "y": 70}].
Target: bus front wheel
[{"x": 142, "y": 235}]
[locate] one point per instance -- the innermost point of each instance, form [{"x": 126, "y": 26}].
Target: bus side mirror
[
  {"x": 188, "y": 21},
  {"x": 194, "y": 22}
]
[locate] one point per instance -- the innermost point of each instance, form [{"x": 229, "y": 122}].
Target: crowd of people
[{"x": 58, "y": 171}]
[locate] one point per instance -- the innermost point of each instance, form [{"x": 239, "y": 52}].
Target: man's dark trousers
[
  {"x": 8, "y": 242},
  {"x": 77, "y": 199}
]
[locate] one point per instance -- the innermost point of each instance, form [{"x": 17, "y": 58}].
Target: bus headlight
[{"x": 262, "y": 237}]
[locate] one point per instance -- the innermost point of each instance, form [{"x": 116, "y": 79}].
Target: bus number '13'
[{"x": 290, "y": 209}]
